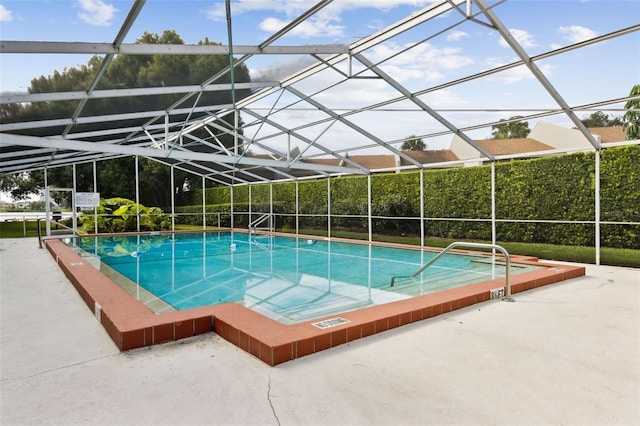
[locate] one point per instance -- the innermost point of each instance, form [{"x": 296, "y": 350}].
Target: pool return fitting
[{"x": 506, "y": 298}]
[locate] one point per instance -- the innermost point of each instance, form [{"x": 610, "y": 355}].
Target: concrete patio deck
[{"x": 567, "y": 353}]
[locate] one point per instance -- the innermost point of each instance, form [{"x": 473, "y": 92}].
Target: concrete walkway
[{"x": 563, "y": 354}]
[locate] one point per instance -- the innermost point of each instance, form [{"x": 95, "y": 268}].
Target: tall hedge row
[{"x": 553, "y": 190}]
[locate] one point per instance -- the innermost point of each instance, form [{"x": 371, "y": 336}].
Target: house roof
[
  {"x": 431, "y": 156},
  {"x": 609, "y": 134},
  {"x": 513, "y": 146}
]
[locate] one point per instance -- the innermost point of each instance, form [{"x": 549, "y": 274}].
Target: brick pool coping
[{"x": 132, "y": 325}]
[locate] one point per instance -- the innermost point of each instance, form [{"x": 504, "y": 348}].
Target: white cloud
[
  {"x": 321, "y": 24},
  {"x": 296, "y": 7},
  {"x": 5, "y": 14},
  {"x": 456, "y": 35},
  {"x": 308, "y": 28},
  {"x": 96, "y": 12},
  {"x": 423, "y": 62},
  {"x": 516, "y": 74},
  {"x": 522, "y": 37},
  {"x": 577, "y": 33},
  {"x": 445, "y": 98},
  {"x": 290, "y": 8}
]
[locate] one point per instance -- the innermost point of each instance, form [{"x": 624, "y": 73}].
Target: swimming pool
[
  {"x": 288, "y": 279},
  {"x": 131, "y": 323}
]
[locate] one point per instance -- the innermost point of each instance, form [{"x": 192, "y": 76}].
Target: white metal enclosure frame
[{"x": 291, "y": 149}]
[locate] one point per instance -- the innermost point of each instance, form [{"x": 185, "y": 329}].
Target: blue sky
[{"x": 604, "y": 71}]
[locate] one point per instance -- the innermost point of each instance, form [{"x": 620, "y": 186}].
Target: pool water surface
[{"x": 288, "y": 279}]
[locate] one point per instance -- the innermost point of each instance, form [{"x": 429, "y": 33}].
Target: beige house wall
[
  {"x": 560, "y": 137},
  {"x": 464, "y": 151}
]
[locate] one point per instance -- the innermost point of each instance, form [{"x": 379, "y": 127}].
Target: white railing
[
  {"x": 468, "y": 245},
  {"x": 265, "y": 217}
]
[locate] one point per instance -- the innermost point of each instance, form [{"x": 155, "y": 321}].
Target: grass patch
[
  {"x": 19, "y": 229},
  {"x": 578, "y": 254}
]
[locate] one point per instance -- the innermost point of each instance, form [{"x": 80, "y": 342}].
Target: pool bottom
[{"x": 132, "y": 325}]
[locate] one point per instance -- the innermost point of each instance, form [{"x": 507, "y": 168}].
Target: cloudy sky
[{"x": 604, "y": 71}]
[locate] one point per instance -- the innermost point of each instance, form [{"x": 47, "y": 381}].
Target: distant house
[
  {"x": 543, "y": 137},
  {"x": 543, "y": 140},
  {"x": 609, "y": 134}
]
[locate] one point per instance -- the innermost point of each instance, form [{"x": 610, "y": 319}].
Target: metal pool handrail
[
  {"x": 476, "y": 245},
  {"x": 40, "y": 237},
  {"x": 267, "y": 216}
]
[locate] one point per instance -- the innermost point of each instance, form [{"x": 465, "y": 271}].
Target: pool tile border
[{"x": 132, "y": 325}]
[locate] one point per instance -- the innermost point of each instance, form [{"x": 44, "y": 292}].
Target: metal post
[
  {"x": 297, "y": 207},
  {"x": 597, "y": 206},
  {"x": 166, "y": 131},
  {"x": 369, "y": 209},
  {"x": 137, "y": 197},
  {"x": 329, "y": 207},
  {"x": 173, "y": 200},
  {"x": 493, "y": 202},
  {"x": 95, "y": 189},
  {"x": 231, "y": 222},
  {"x": 422, "y": 207},
  {"x": 39, "y": 233},
  {"x": 204, "y": 206},
  {"x": 250, "y": 209},
  {"x": 47, "y": 202},
  {"x": 74, "y": 217},
  {"x": 272, "y": 222}
]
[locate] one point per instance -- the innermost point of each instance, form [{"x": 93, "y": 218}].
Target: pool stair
[
  {"x": 266, "y": 217},
  {"x": 465, "y": 244},
  {"x": 438, "y": 278}
]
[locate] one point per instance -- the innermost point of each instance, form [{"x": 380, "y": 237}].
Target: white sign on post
[{"x": 87, "y": 199}]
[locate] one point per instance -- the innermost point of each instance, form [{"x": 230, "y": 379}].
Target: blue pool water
[{"x": 285, "y": 278}]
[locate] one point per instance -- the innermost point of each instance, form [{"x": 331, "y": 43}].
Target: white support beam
[
  {"x": 90, "y": 48},
  {"x": 106, "y": 118},
  {"x": 125, "y": 93},
  {"x": 33, "y": 141}
]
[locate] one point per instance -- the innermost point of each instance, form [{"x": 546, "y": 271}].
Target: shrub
[{"x": 119, "y": 215}]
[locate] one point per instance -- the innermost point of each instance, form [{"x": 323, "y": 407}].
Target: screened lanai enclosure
[{"x": 311, "y": 125}]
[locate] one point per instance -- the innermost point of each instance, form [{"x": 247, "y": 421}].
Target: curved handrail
[
  {"x": 476, "y": 245},
  {"x": 40, "y": 237}
]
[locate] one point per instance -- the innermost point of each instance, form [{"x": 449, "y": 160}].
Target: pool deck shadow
[{"x": 132, "y": 325}]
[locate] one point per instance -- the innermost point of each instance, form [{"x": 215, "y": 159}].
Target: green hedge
[
  {"x": 620, "y": 196},
  {"x": 555, "y": 188},
  {"x": 560, "y": 188}
]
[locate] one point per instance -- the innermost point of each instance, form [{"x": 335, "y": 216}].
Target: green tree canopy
[
  {"x": 513, "y": 128},
  {"x": 600, "y": 119},
  {"x": 127, "y": 71},
  {"x": 631, "y": 118},
  {"x": 413, "y": 143}
]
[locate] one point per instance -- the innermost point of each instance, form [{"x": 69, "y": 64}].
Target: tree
[
  {"x": 600, "y": 119},
  {"x": 512, "y": 128},
  {"x": 631, "y": 118},
  {"x": 413, "y": 143},
  {"x": 127, "y": 71},
  {"x": 19, "y": 185}
]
